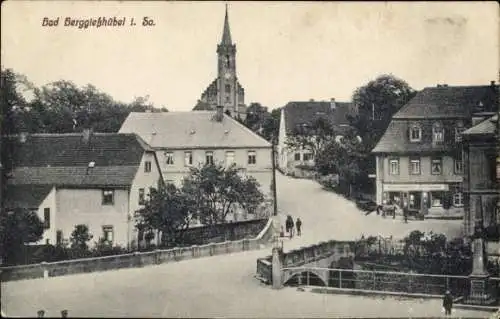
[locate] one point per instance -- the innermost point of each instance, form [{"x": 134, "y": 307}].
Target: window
[
  {"x": 169, "y": 158},
  {"x": 188, "y": 158},
  {"x": 108, "y": 196},
  {"x": 141, "y": 196},
  {"x": 307, "y": 156},
  {"x": 209, "y": 158},
  {"x": 437, "y": 199},
  {"x": 458, "y": 131},
  {"x": 458, "y": 199},
  {"x": 436, "y": 166},
  {"x": 46, "y": 218},
  {"x": 228, "y": 88},
  {"x": 108, "y": 233},
  {"x": 297, "y": 157},
  {"x": 415, "y": 133},
  {"x": 394, "y": 167},
  {"x": 437, "y": 133},
  {"x": 229, "y": 158},
  {"x": 414, "y": 166},
  {"x": 252, "y": 157},
  {"x": 228, "y": 99},
  {"x": 458, "y": 166},
  {"x": 59, "y": 237},
  {"x": 147, "y": 167},
  {"x": 228, "y": 61}
]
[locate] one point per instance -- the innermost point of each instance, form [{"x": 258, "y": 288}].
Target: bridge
[{"x": 312, "y": 261}]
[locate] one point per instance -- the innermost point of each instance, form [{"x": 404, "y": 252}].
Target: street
[{"x": 223, "y": 286}]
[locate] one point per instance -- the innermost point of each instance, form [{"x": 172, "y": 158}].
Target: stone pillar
[
  {"x": 277, "y": 265},
  {"x": 479, "y": 278}
]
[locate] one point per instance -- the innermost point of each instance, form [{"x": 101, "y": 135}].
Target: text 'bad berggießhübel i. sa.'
[{"x": 85, "y": 23}]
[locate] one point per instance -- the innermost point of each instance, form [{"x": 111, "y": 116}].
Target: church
[{"x": 225, "y": 90}]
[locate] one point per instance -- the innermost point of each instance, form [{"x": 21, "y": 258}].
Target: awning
[{"x": 415, "y": 187}]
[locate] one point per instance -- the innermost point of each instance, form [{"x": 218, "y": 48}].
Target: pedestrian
[
  {"x": 405, "y": 211},
  {"x": 298, "y": 225},
  {"x": 291, "y": 227},
  {"x": 447, "y": 303}
]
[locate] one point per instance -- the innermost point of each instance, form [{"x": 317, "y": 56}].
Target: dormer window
[
  {"x": 415, "y": 133},
  {"x": 438, "y": 133}
]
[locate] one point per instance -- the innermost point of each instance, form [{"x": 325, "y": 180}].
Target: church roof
[
  {"x": 191, "y": 130},
  {"x": 226, "y": 33}
]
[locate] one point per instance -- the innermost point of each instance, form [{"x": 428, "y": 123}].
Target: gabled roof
[
  {"x": 26, "y": 196},
  {"x": 450, "y": 102},
  {"x": 63, "y": 159},
  {"x": 190, "y": 130},
  {"x": 299, "y": 113},
  {"x": 486, "y": 127}
]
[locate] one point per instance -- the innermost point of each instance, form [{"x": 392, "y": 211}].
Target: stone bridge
[{"x": 290, "y": 265}]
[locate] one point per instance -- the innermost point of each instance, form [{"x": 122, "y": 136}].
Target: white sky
[{"x": 285, "y": 51}]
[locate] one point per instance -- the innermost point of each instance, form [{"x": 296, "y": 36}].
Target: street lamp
[{"x": 273, "y": 161}]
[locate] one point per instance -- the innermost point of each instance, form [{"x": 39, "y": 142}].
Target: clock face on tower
[{"x": 227, "y": 75}]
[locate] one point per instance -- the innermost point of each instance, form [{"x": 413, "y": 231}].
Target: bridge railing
[{"x": 385, "y": 281}]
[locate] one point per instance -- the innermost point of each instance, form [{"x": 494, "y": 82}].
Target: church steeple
[{"x": 226, "y": 33}]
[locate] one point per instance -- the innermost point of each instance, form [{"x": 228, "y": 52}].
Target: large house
[
  {"x": 95, "y": 179},
  {"x": 419, "y": 157},
  {"x": 185, "y": 139},
  {"x": 225, "y": 90},
  {"x": 298, "y": 115},
  {"x": 482, "y": 179}
]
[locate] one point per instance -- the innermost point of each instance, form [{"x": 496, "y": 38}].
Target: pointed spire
[{"x": 226, "y": 34}]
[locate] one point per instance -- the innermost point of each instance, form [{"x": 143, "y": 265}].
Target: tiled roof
[
  {"x": 63, "y": 159},
  {"x": 105, "y": 149},
  {"x": 26, "y": 196},
  {"x": 396, "y": 139},
  {"x": 488, "y": 126},
  {"x": 190, "y": 130},
  {"x": 77, "y": 176},
  {"x": 299, "y": 113},
  {"x": 450, "y": 102}
]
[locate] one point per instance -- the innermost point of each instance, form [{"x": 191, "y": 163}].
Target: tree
[
  {"x": 17, "y": 228},
  {"x": 313, "y": 138},
  {"x": 377, "y": 102},
  {"x": 218, "y": 190},
  {"x": 80, "y": 237},
  {"x": 167, "y": 210}
]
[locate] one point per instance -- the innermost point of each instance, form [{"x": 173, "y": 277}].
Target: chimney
[
  {"x": 219, "y": 114},
  {"x": 23, "y": 136},
  {"x": 87, "y": 133},
  {"x": 333, "y": 105}
]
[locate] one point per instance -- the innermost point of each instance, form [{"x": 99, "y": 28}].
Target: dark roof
[
  {"x": 396, "y": 139},
  {"x": 202, "y": 106},
  {"x": 299, "y": 113},
  {"x": 26, "y": 196},
  {"x": 450, "y": 102},
  {"x": 63, "y": 159},
  {"x": 69, "y": 150},
  {"x": 486, "y": 127}
]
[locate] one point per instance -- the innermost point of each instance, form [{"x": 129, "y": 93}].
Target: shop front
[{"x": 426, "y": 199}]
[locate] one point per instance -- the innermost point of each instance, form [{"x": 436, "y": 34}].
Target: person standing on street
[
  {"x": 298, "y": 225},
  {"x": 292, "y": 224},
  {"x": 447, "y": 303}
]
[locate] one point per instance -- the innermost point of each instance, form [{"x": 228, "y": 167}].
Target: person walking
[
  {"x": 291, "y": 227},
  {"x": 298, "y": 225},
  {"x": 447, "y": 303}
]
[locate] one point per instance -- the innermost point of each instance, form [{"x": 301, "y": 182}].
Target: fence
[
  {"x": 136, "y": 259},
  {"x": 386, "y": 281}
]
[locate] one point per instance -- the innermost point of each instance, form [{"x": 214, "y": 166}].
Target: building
[
  {"x": 297, "y": 115},
  {"x": 96, "y": 179},
  {"x": 225, "y": 90},
  {"x": 182, "y": 140},
  {"x": 482, "y": 178},
  {"x": 419, "y": 157}
]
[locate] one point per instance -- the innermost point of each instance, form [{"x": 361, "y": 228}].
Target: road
[{"x": 223, "y": 286}]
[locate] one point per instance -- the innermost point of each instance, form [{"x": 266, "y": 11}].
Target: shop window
[{"x": 437, "y": 199}]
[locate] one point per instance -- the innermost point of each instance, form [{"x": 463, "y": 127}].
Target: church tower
[{"x": 225, "y": 91}]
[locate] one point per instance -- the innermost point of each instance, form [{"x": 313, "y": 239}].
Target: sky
[{"x": 286, "y": 51}]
